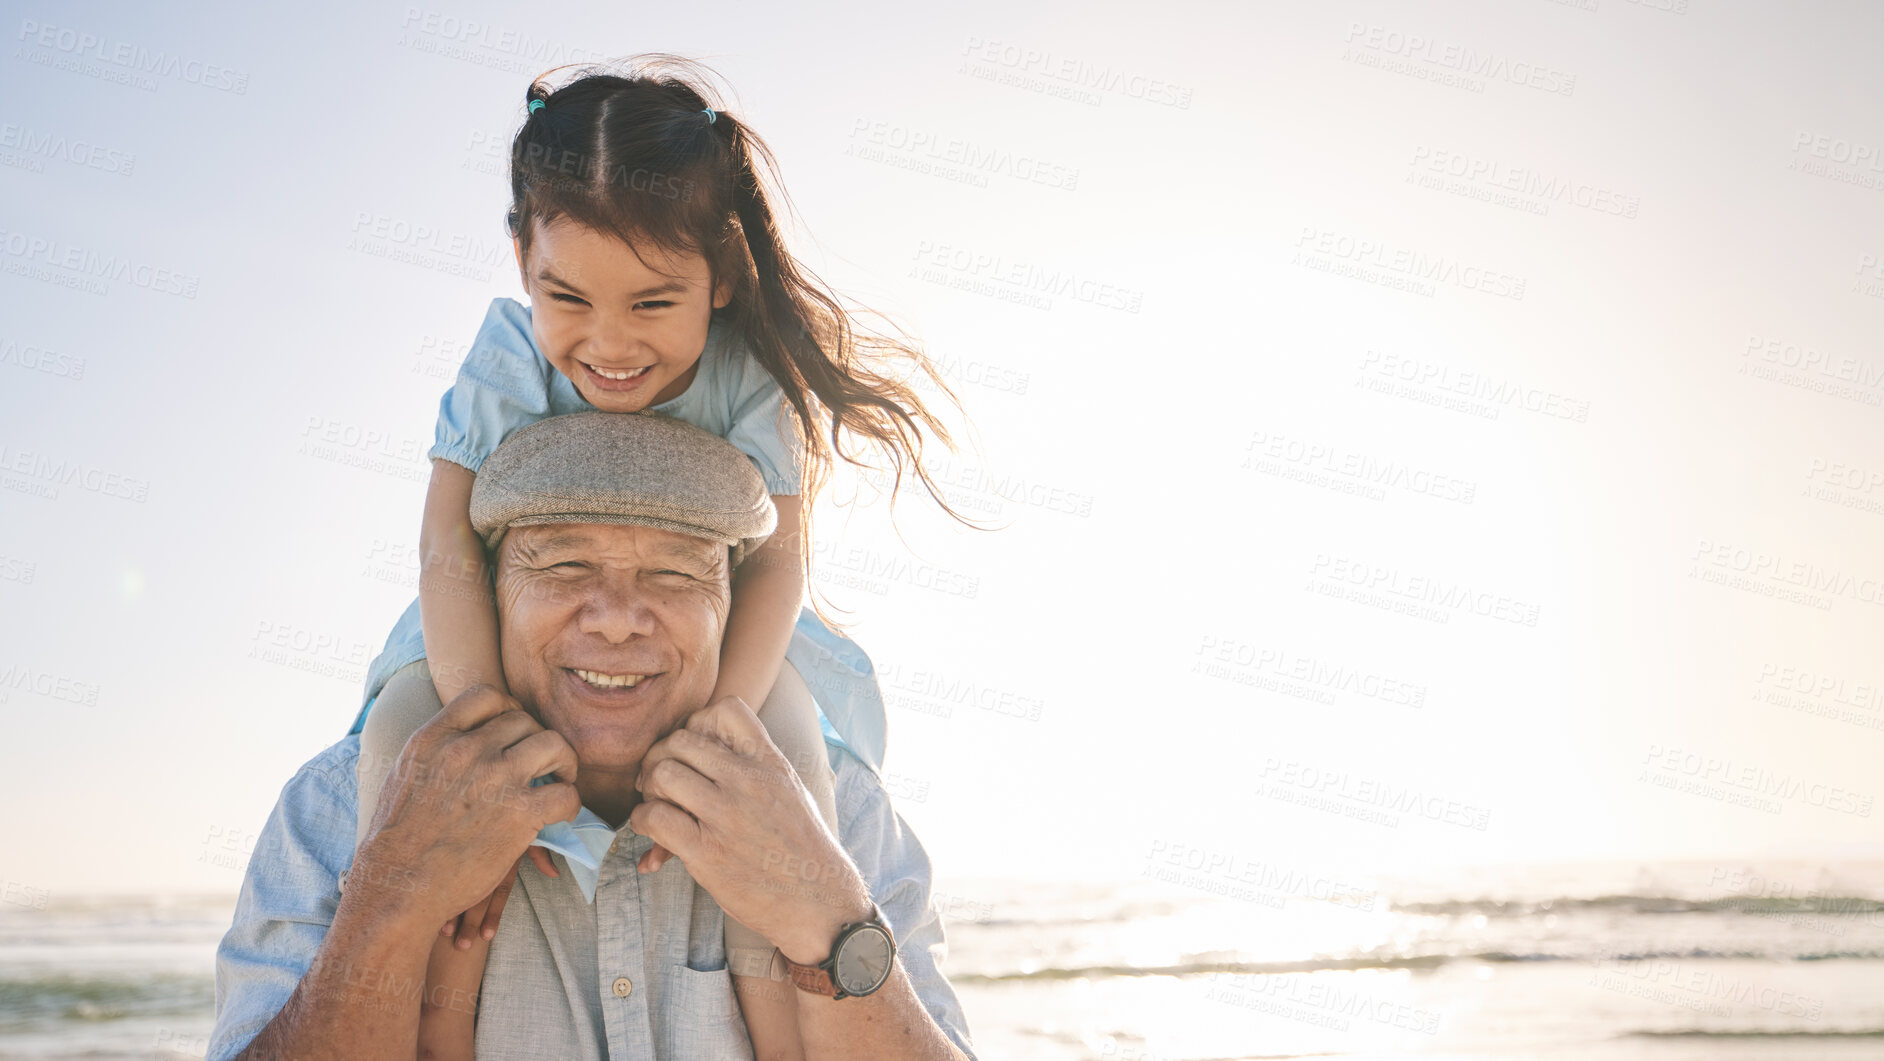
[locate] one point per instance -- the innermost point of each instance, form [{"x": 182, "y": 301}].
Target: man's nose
[{"x": 615, "y": 609}]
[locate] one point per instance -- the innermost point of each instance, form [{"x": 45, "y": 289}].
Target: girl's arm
[
  {"x": 768, "y": 593},
  {"x": 456, "y": 608},
  {"x": 448, "y": 1008}
]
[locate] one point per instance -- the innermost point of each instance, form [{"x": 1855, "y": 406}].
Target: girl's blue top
[{"x": 506, "y": 383}]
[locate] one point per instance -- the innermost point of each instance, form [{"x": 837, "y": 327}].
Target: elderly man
[{"x": 614, "y": 537}]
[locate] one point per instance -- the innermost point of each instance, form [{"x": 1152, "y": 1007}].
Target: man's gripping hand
[{"x": 458, "y": 809}]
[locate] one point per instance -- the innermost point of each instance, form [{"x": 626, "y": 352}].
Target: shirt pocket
[{"x": 705, "y": 1021}]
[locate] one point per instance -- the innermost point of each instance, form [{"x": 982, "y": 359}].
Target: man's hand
[
  {"x": 458, "y": 810},
  {"x": 721, "y": 796}
]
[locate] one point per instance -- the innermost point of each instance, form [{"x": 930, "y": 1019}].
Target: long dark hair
[{"x": 636, "y": 155}]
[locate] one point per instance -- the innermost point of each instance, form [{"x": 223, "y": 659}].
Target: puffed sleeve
[
  {"x": 897, "y": 870},
  {"x": 503, "y": 385},
  {"x": 759, "y": 411},
  {"x": 289, "y": 894}
]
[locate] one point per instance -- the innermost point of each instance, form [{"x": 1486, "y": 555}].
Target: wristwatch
[{"x": 860, "y": 960}]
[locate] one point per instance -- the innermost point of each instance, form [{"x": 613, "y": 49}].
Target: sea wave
[
  {"x": 1833, "y": 905},
  {"x": 1417, "y": 961},
  {"x": 61, "y": 997}
]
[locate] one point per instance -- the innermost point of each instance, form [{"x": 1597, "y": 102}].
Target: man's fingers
[
  {"x": 541, "y": 856},
  {"x": 666, "y": 824},
  {"x": 706, "y": 755},
  {"x": 543, "y": 752},
  {"x": 680, "y": 784},
  {"x": 505, "y": 730},
  {"x": 732, "y": 722},
  {"x": 554, "y": 802},
  {"x": 474, "y": 707}
]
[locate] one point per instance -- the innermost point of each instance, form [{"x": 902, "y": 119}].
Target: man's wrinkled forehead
[{"x": 539, "y": 544}]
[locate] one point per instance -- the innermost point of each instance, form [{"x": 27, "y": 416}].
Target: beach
[{"x": 1715, "y": 961}]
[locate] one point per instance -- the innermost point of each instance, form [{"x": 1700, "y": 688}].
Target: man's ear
[{"x": 517, "y": 246}]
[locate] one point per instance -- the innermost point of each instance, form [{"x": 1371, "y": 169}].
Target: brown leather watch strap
[
  {"x": 810, "y": 977},
  {"x": 816, "y": 978}
]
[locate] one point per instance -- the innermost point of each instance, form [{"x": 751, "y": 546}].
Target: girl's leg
[
  {"x": 767, "y": 997},
  {"x": 407, "y": 702},
  {"x": 448, "y": 1007}
]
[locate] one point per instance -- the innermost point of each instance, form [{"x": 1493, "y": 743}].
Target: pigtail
[{"x": 813, "y": 348}]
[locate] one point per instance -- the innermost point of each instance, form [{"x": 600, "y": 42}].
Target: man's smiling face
[{"x": 610, "y": 634}]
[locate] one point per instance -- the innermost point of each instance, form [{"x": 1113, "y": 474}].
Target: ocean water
[{"x": 1183, "y": 964}]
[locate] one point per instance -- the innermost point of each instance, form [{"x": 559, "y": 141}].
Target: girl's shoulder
[
  {"x": 507, "y": 324},
  {"x": 504, "y": 353}
]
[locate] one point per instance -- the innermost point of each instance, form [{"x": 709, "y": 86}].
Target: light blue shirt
[
  {"x": 640, "y": 974},
  {"x": 506, "y": 383}
]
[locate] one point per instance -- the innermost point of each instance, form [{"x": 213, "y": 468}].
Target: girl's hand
[
  {"x": 482, "y": 919},
  {"x": 652, "y": 860}
]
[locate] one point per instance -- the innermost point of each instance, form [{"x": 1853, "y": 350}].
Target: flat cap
[{"x": 642, "y": 469}]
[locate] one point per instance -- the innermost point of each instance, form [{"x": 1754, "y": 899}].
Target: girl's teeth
[
  {"x": 606, "y": 374},
  {"x": 609, "y": 681}
]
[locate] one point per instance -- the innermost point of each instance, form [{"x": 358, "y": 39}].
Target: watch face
[{"x": 864, "y": 962}]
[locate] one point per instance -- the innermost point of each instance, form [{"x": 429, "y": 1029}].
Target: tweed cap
[{"x": 642, "y": 469}]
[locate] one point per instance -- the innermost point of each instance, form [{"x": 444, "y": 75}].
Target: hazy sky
[{"x": 1429, "y": 433}]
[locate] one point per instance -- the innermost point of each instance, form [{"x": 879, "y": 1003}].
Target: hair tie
[
  {"x": 711, "y": 117},
  {"x": 537, "y": 105}
]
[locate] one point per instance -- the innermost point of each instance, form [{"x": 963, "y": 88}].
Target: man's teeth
[
  {"x": 609, "y": 681},
  {"x": 607, "y": 374}
]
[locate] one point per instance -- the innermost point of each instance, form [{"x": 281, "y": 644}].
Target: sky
[{"x": 1422, "y": 435}]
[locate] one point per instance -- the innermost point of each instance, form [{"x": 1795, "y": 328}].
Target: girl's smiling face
[{"x": 627, "y": 328}]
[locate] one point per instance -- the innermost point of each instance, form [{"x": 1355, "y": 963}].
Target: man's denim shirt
[{"x": 290, "y": 893}]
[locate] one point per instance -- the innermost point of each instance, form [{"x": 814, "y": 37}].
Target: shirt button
[{"x": 622, "y": 987}]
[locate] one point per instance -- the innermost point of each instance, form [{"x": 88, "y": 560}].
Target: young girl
[{"x": 658, "y": 284}]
